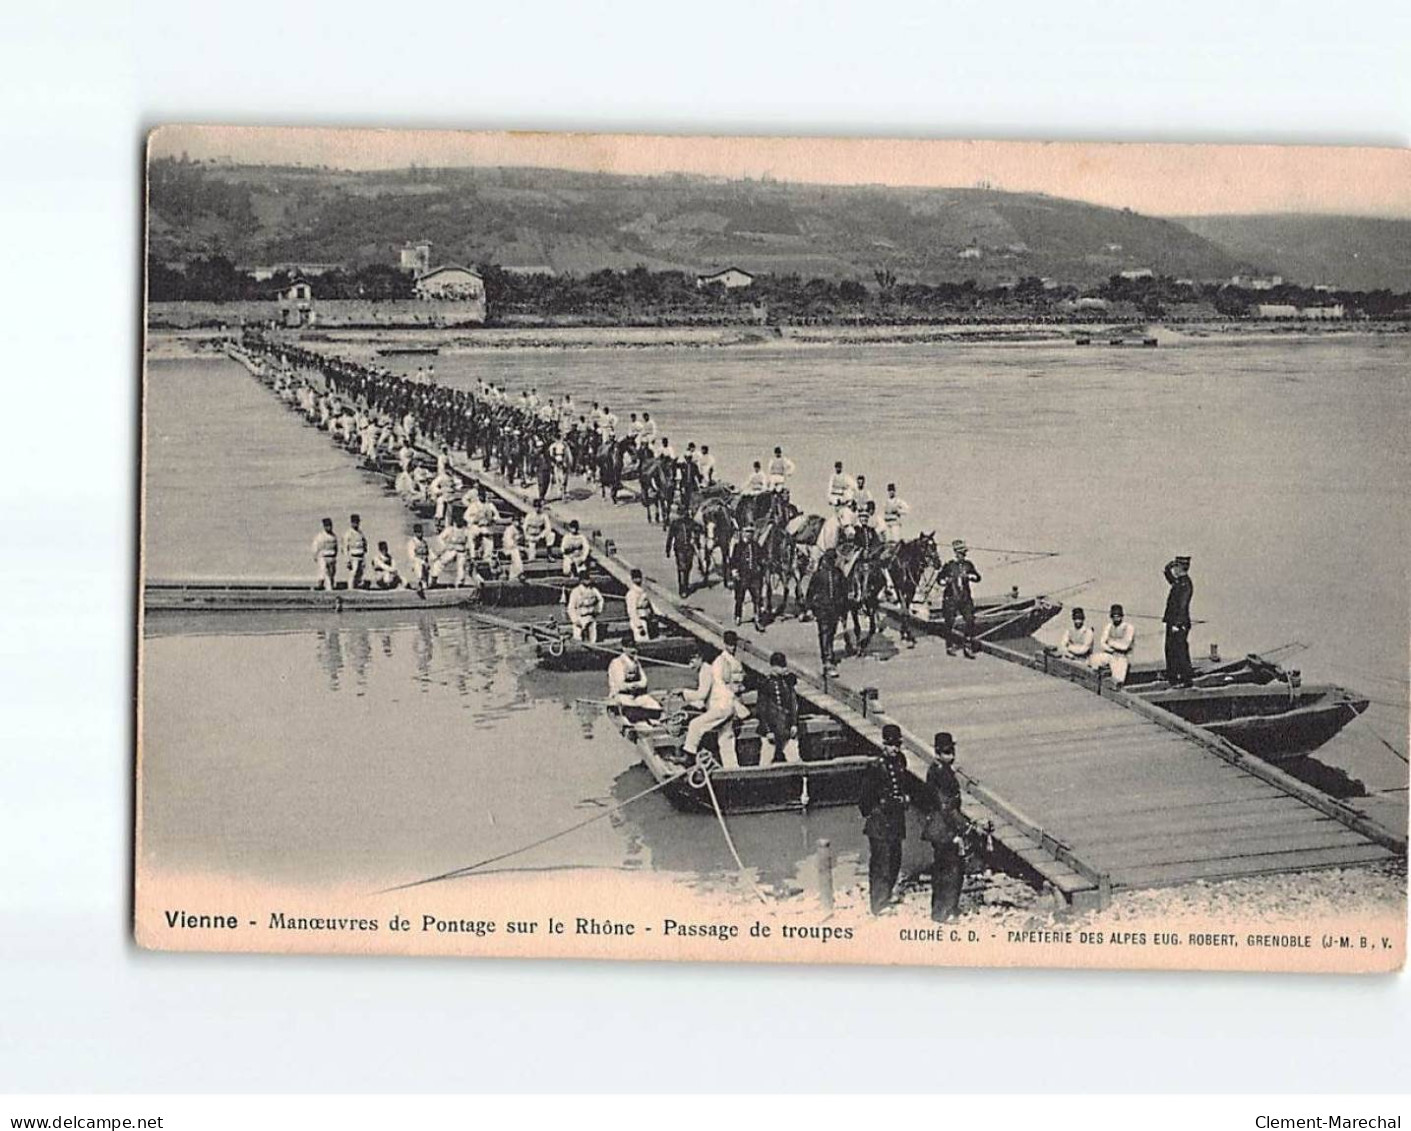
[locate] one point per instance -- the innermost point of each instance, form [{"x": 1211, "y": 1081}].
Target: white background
[{"x": 81, "y": 1009}]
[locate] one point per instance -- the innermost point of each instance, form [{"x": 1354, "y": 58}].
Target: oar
[
  {"x": 513, "y": 625},
  {"x": 1150, "y": 616},
  {"x": 1026, "y": 553}
]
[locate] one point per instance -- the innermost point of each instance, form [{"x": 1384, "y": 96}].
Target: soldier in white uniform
[
  {"x": 455, "y": 548},
  {"x": 537, "y": 530},
  {"x": 861, "y": 495},
  {"x": 355, "y": 549},
  {"x": 443, "y": 490},
  {"x": 627, "y": 685},
  {"x": 558, "y": 460},
  {"x": 649, "y": 429},
  {"x": 757, "y": 483},
  {"x": 727, "y": 666},
  {"x": 781, "y": 467},
  {"x": 721, "y": 708},
  {"x": 894, "y": 509},
  {"x": 585, "y": 606},
  {"x": 575, "y": 549},
  {"x": 326, "y": 556},
  {"x": 1115, "y": 648},
  {"x": 419, "y": 555},
  {"x": 840, "y": 487},
  {"x": 641, "y": 613},
  {"x": 384, "y": 569},
  {"x": 706, "y": 463},
  {"x": 509, "y": 542},
  {"x": 1076, "y": 643}
]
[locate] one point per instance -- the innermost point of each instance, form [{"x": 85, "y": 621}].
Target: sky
[{"x": 1156, "y": 179}]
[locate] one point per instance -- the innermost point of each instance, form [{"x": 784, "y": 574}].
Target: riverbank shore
[{"x": 367, "y": 343}]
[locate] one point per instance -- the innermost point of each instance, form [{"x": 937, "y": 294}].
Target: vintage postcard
[{"x": 775, "y": 550}]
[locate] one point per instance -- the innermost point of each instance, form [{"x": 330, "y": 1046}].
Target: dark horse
[
  {"x": 717, "y": 533},
  {"x": 611, "y": 457},
  {"x": 768, "y": 506},
  {"x": 782, "y": 567},
  {"x": 895, "y": 565},
  {"x": 657, "y": 483}
]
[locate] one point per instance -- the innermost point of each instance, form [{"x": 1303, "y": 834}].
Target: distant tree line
[
  {"x": 639, "y": 295},
  {"x": 217, "y": 279}
]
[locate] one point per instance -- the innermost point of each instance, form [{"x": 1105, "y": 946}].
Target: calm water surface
[{"x": 1282, "y": 468}]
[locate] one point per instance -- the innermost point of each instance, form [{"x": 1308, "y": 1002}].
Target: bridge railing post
[{"x": 824, "y": 858}]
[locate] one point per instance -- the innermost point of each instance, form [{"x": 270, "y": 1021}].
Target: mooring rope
[
  {"x": 729, "y": 840},
  {"x": 459, "y": 872},
  {"x": 1378, "y": 737}
]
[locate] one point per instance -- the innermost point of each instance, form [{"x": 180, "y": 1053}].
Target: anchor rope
[
  {"x": 729, "y": 840},
  {"x": 457, "y": 873}
]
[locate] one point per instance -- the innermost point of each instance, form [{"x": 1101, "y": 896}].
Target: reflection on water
[
  {"x": 1281, "y": 467},
  {"x": 393, "y": 746}
]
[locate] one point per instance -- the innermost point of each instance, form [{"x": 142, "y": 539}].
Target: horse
[
  {"x": 609, "y": 463},
  {"x": 717, "y": 533},
  {"x": 868, "y": 579},
  {"x": 782, "y": 567},
  {"x": 768, "y": 506},
  {"x": 657, "y": 484},
  {"x": 909, "y": 563}
]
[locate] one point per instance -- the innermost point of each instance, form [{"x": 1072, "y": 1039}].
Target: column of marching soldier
[{"x": 388, "y": 414}]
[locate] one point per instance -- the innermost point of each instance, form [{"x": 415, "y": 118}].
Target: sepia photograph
[{"x": 784, "y": 550}]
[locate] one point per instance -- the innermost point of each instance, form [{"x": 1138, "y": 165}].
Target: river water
[{"x": 1281, "y": 467}]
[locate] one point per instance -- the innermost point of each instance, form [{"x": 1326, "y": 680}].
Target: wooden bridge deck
[
  {"x": 1089, "y": 792},
  {"x": 1092, "y": 791}
]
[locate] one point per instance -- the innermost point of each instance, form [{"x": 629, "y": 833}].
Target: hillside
[
  {"x": 580, "y": 222},
  {"x": 1351, "y": 252}
]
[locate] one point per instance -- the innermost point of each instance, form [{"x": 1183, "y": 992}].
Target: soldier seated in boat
[
  {"x": 641, "y": 613},
  {"x": 719, "y": 708},
  {"x": 455, "y": 550},
  {"x": 574, "y": 548},
  {"x": 384, "y": 570},
  {"x": 536, "y": 530},
  {"x": 585, "y": 606},
  {"x": 1076, "y": 643},
  {"x": 1115, "y": 647},
  {"x": 627, "y": 685}
]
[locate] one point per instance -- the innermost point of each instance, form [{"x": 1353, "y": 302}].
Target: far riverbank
[{"x": 166, "y": 342}]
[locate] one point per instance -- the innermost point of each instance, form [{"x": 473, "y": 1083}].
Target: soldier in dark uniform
[
  {"x": 946, "y": 829},
  {"x": 778, "y": 707},
  {"x": 1179, "y": 672},
  {"x": 747, "y": 568},
  {"x": 883, "y": 802},
  {"x": 956, "y": 576}
]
